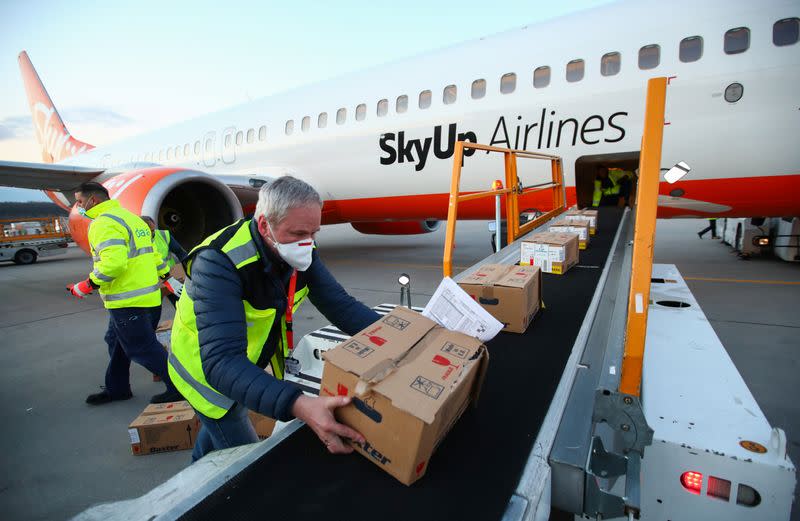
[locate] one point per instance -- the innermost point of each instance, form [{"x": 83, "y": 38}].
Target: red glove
[{"x": 80, "y": 289}]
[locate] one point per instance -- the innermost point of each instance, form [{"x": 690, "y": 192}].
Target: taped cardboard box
[
  {"x": 164, "y": 432},
  {"x": 264, "y": 425},
  {"x": 410, "y": 380},
  {"x": 589, "y": 216},
  {"x": 164, "y": 333},
  {"x": 511, "y": 294},
  {"x": 569, "y": 225},
  {"x": 159, "y": 408},
  {"x": 552, "y": 252}
]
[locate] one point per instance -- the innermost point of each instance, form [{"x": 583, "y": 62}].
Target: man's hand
[
  {"x": 80, "y": 289},
  {"x": 318, "y": 414},
  {"x": 174, "y": 286}
]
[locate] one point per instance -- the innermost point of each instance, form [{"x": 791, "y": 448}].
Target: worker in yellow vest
[
  {"x": 234, "y": 318},
  {"x": 612, "y": 187},
  {"x": 170, "y": 250},
  {"x": 126, "y": 274}
]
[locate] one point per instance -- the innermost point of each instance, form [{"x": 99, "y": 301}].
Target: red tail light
[{"x": 692, "y": 481}]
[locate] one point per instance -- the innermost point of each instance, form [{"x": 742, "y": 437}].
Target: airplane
[{"x": 378, "y": 144}]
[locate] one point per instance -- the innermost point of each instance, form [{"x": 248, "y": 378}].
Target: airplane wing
[{"x": 43, "y": 176}]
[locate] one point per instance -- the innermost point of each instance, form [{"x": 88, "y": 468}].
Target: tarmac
[{"x": 59, "y": 456}]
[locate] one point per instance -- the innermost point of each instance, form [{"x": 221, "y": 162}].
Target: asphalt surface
[{"x": 59, "y": 455}]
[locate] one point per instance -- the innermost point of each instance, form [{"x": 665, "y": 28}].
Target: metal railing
[{"x": 512, "y": 191}]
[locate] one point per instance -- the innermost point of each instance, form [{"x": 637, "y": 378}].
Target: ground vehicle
[
  {"x": 24, "y": 240},
  {"x": 760, "y": 235}
]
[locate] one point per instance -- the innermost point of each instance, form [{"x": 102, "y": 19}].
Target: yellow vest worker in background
[
  {"x": 125, "y": 272},
  {"x": 171, "y": 252},
  {"x": 612, "y": 187}
]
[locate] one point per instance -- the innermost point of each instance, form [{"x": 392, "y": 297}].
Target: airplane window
[
  {"x": 186, "y": 150},
  {"x": 209, "y": 145},
  {"x": 197, "y": 148},
  {"x": 575, "y": 70},
  {"x": 737, "y": 40},
  {"x": 691, "y": 49},
  {"x": 402, "y": 104},
  {"x": 508, "y": 82},
  {"x": 449, "y": 95},
  {"x": 786, "y": 31},
  {"x": 361, "y": 112},
  {"x": 322, "y": 120},
  {"x": 478, "y": 89},
  {"x": 649, "y": 56},
  {"x": 610, "y": 64},
  {"x": 251, "y": 135},
  {"x": 289, "y": 127},
  {"x": 305, "y": 124},
  {"x": 227, "y": 141},
  {"x": 383, "y": 107},
  {"x": 160, "y": 155},
  {"x": 341, "y": 116},
  {"x": 169, "y": 154},
  {"x": 177, "y": 151},
  {"x": 424, "y": 99},
  {"x": 239, "y": 138},
  {"x": 541, "y": 77},
  {"x": 262, "y": 133}
]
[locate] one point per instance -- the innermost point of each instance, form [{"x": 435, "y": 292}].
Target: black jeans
[
  {"x": 712, "y": 227},
  {"x": 131, "y": 337}
]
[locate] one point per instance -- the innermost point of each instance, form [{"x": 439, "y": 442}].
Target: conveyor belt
[{"x": 474, "y": 472}]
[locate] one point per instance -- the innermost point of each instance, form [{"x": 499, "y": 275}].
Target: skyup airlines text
[{"x": 544, "y": 133}]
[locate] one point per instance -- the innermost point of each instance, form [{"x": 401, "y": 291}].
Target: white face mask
[{"x": 296, "y": 254}]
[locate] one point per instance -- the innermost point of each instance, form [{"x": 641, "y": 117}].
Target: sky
[{"x": 118, "y": 69}]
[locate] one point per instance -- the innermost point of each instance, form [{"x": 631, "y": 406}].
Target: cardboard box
[
  {"x": 264, "y": 425},
  {"x": 511, "y": 294},
  {"x": 177, "y": 271},
  {"x": 164, "y": 333},
  {"x": 587, "y": 215},
  {"x": 410, "y": 380},
  {"x": 569, "y": 225},
  {"x": 552, "y": 252},
  {"x": 159, "y": 408},
  {"x": 164, "y": 432}
]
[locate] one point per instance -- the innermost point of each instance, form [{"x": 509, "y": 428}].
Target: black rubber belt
[{"x": 477, "y": 467}]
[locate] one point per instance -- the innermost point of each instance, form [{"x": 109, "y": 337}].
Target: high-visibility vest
[
  {"x": 185, "y": 363},
  {"x": 161, "y": 243},
  {"x": 126, "y": 267},
  {"x": 615, "y": 175}
]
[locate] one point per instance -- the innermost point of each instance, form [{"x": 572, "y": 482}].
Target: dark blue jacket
[{"x": 217, "y": 293}]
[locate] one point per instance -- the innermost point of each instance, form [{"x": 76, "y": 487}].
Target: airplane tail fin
[{"x": 56, "y": 141}]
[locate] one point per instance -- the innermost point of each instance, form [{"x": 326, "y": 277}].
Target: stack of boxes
[{"x": 551, "y": 252}]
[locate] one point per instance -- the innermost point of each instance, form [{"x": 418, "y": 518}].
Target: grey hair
[{"x": 278, "y": 197}]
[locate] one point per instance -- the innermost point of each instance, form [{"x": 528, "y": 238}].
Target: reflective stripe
[
  {"x": 206, "y": 392},
  {"x": 110, "y": 242},
  {"x": 122, "y": 222},
  {"x": 161, "y": 266},
  {"x": 140, "y": 251},
  {"x": 104, "y": 278},
  {"x": 130, "y": 294},
  {"x": 242, "y": 253},
  {"x": 95, "y": 259}
]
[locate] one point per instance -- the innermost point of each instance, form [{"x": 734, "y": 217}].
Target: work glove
[
  {"x": 80, "y": 289},
  {"x": 174, "y": 286}
]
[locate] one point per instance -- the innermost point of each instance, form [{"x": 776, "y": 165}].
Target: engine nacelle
[
  {"x": 190, "y": 204},
  {"x": 396, "y": 227}
]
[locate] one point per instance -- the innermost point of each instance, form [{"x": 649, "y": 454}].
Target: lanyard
[{"x": 289, "y": 307}]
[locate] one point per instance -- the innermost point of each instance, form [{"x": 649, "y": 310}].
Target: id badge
[{"x": 292, "y": 366}]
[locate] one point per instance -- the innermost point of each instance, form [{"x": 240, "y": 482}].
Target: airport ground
[{"x": 59, "y": 455}]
